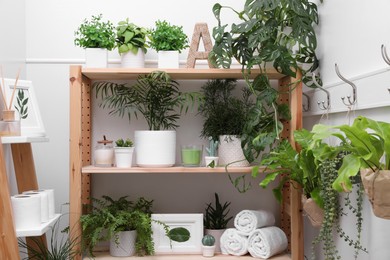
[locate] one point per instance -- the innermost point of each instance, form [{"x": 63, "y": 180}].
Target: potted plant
[
  {"x": 123, "y": 153},
  {"x": 168, "y": 40},
  {"x": 96, "y": 37},
  {"x": 277, "y": 33},
  {"x": 108, "y": 218},
  {"x": 208, "y": 246},
  {"x": 216, "y": 219},
  {"x": 157, "y": 97},
  {"x": 131, "y": 44},
  {"x": 211, "y": 160},
  {"x": 224, "y": 119}
]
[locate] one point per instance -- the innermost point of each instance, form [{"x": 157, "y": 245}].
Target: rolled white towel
[
  {"x": 247, "y": 221},
  {"x": 266, "y": 242},
  {"x": 233, "y": 243}
]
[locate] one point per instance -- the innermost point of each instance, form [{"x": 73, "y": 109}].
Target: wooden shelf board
[
  {"x": 193, "y": 74},
  {"x": 177, "y": 169},
  {"x": 23, "y": 139},
  {"x": 106, "y": 256},
  {"x": 39, "y": 230}
]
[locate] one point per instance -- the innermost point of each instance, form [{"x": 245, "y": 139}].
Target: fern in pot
[
  {"x": 216, "y": 219},
  {"x": 157, "y": 97},
  {"x": 224, "y": 118}
]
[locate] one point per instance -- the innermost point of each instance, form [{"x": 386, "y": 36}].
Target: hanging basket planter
[
  {"x": 376, "y": 186},
  {"x": 313, "y": 211}
]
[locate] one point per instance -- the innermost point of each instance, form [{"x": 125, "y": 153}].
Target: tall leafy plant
[
  {"x": 156, "y": 96},
  {"x": 217, "y": 215},
  {"x": 278, "y": 33}
]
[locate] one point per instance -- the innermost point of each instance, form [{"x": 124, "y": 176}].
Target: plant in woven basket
[{"x": 216, "y": 217}]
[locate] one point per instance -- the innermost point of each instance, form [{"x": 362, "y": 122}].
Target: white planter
[
  {"x": 168, "y": 59},
  {"x": 209, "y": 159},
  {"x": 131, "y": 60},
  {"x": 125, "y": 245},
  {"x": 229, "y": 150},
  {"x": 155, "y": 148},
  {"x": 208, "y": 251},
  {"x": 216, "y": 233},
  {"x": 123, "y": 156},
  {"x": 96, "y": 58}
]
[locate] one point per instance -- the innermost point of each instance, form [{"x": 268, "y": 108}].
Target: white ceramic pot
[
  {"x": 96, "y": 58},
  {"x": 125, "y": 245},
  {"x": 229, "y": 150},
  {"x": 123, "y": 156},
  {"x": 209, "y": 159},
  {"x": 168, "y": 59},
  {"x": 208, "y": 251},
  {"x": 131, "y": 60},
  {"x": 216, "y": 233},
  {"x": 155, "y": 148}
]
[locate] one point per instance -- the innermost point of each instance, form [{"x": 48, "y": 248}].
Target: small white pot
[
  {"x": 96, "y": 58},
  {"x": 123, "y": 156},
  {"x": 209, "y": 159},
  {"x": 216, "y": 233},
  {"x": 155, "y": 148},
  {"x": 229, "y": 150},
  {"x": 168, "y": 59},
  {"x": 131, "y": 60},
  {"x": 208, "y": 251},
  {"x": 125, "y": 245}
]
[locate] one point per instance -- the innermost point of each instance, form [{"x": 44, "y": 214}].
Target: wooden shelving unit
[
  {"x": 80, "y": 145},
  {"x": 23, "y": 161}
]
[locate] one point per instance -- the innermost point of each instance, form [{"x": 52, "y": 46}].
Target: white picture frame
[
  {"x": 32, "y": 125},
  {"x": 192, "y": 222}
]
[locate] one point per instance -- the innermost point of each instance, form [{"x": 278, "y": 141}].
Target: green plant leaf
[
  {"x": 179, "y": 234},
  {"x": 349, "y": 168}
]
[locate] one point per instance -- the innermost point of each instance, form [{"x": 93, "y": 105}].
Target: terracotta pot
[
  {"x": 376, "y": 185},
  {"x": 313, "y": 211}
]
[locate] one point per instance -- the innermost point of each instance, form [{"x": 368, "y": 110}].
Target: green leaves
[
  {"x": 350, "y": 167},
  {"x": 21, "y": 104},
  {"x": 216, "y": 217},
  {"x": 130, "y": 37},
  {"x": 167, "y": 37},
  {"x": 179, "y": 234}
]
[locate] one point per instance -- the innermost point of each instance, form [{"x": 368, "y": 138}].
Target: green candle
[{"x": 191, "y": 155}]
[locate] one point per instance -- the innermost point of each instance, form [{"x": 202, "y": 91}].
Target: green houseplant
[
  {"x": 216, "y": 219},
  {"x": 277, "y": 33},
  {"x": 208, "y": 242},
  {"x": 224, "y": 118},
  {"x": 170, "y": 40},
  {"x": 123, "y": 153},
  {"x": 96, "y": 36},
  {"x": 157, "y": 97},
  {"x": 108, "y": 217},
  {"x": 131, "y": 44},
  {"x": 212, "y": 159}
]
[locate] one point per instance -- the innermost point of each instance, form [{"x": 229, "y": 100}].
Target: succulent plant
[
  {"x": 208, "y": 240},
  {"x": 213, "y": 146}
]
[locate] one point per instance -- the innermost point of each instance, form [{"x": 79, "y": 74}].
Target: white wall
[{"x": 350, "y": 34}]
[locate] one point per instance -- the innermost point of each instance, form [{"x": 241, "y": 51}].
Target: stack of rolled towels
[{"x": 255, "y": 233}]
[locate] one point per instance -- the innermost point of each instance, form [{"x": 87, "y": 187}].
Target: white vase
[
  {"x": 216, "y": 233},
  {"x": 125, "y": 244},
  {"x": 209, "y": 159},
  {"x": 155, "y": 148},
  {"x": 168, "y": 59},
  {"x": 123, "y": 156},
  {"x": 131, "y": 60},
  {"x": 96, "y": 58},
  {"x": 208, "y": 251},
  {"x": 229, "y": 151}
]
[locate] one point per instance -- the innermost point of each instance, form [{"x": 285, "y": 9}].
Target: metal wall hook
[
  {"x": 304, "y": 107},
  {"x": 384, "y": 54},
  {"x": 351, "y": 101},
  {"x": 321, "y": 104}
]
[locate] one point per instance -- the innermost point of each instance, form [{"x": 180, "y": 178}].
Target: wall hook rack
[
  {"x": 384, "y": 54},
  {"x": 321, "y": 104},
  {"x": 351, "y": 101},
  {"x": 306, "y": 108}
]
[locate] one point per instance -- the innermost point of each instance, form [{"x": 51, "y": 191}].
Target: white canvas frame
[
  {"x": 192, "y": 222},
  {"x": 32, "y": 125}
]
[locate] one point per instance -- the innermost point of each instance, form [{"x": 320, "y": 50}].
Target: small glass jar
[{"x": 104, "y": 153}]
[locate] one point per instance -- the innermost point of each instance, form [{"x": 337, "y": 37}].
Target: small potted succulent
[
  {"x": 96, "y": 37},
  {"x": 208, "y": 246},
  {"x": 123, "y": 153},
  {"x": 211, "y": 159},
  {"x": 131, "y": 44},
  {"x": 168, "y": 40}
]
